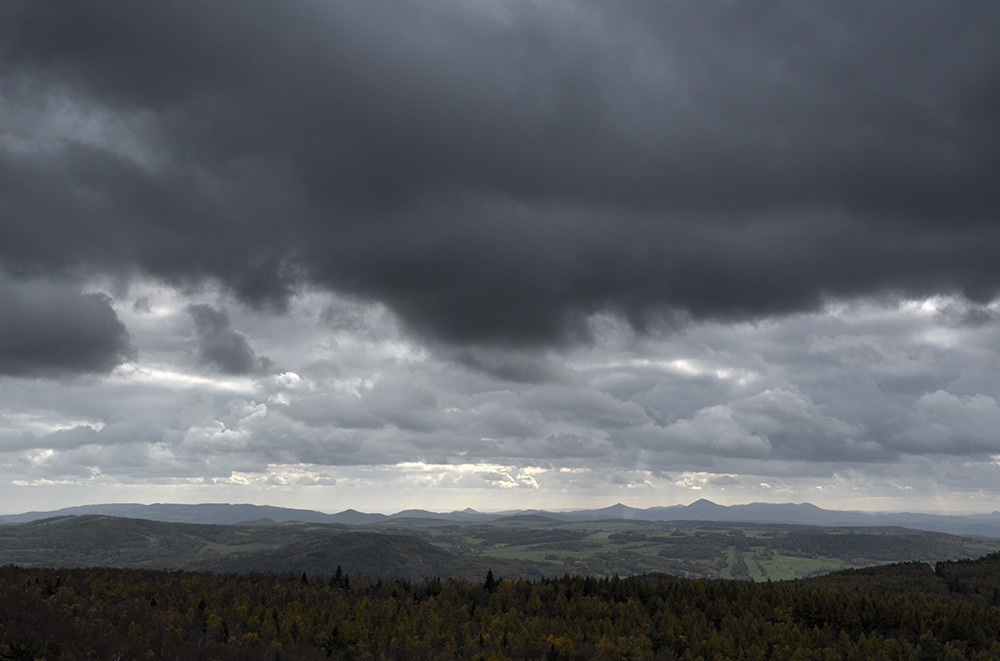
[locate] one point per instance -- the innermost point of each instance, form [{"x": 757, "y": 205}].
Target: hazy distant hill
[
  {"x": 209, "y": 513},
  {"x": 987, "y": 525}
]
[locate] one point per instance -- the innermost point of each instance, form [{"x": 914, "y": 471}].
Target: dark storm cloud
[
  {"x": 222, "y": 347},
  {"x": 495, "y": 173},
  {"x": 519, "y": 367},
  {"x": 53, "y": 330}
]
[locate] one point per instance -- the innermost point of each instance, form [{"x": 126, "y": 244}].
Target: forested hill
[
  {"x": 367, "y": 553},
  {"x": 978, "y": 580},
  {"x": 87, "y": 541},
  {"x": 130, "y": 614}
]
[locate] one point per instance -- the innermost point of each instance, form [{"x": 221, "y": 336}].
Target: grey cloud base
[
  {"x": 497, "y": 174},
  {"x": 220, "y": 345},
  {"x": 50, "y": 329}
]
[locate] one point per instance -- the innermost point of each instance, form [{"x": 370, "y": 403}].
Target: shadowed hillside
[
  {"x": 90, "y": 541},
  {"x": 368, "y": 553}
]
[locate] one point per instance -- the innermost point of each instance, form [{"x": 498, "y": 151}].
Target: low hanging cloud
[
  {"x": 504, "y": 171},
  {"x": 222, "y": 347},
  {"x": 51, "y": 330}
]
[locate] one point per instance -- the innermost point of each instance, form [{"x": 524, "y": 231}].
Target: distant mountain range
[{"x": 987, "y": 525}]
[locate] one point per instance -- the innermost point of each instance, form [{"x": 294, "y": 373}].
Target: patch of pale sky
[
  {"x": 691, "y": 367},
  {"x": 43, "y": 422},
  {"x": 47, "y": 122},
  {"x": 171, "y": 379}
]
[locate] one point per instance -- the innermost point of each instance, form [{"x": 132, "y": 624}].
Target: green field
[{"x": 692, "y": 549}]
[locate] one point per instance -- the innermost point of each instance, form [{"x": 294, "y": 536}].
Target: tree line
[{"x": 103, "y": 613}]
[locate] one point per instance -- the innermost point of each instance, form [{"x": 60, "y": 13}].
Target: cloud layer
[
  {"x": 557, "y": 247},
  {"x": 875, "y": 404},
  {"x": 496, "y": 173}
]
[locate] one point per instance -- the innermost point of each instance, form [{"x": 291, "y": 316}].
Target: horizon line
[{"x": 513, "y": 511}]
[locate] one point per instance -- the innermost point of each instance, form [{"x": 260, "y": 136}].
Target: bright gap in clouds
[{"x": 333, "y": 405}]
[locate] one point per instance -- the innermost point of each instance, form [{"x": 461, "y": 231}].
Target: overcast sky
[{"x": 492, "y": 254}]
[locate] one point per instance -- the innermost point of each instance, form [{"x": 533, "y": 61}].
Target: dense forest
[{"x": 905, "y": 611}]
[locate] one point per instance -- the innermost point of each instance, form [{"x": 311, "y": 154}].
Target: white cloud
[
  {"x": 944, "y": 423},
  {"x": 828, "y": 406}
]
